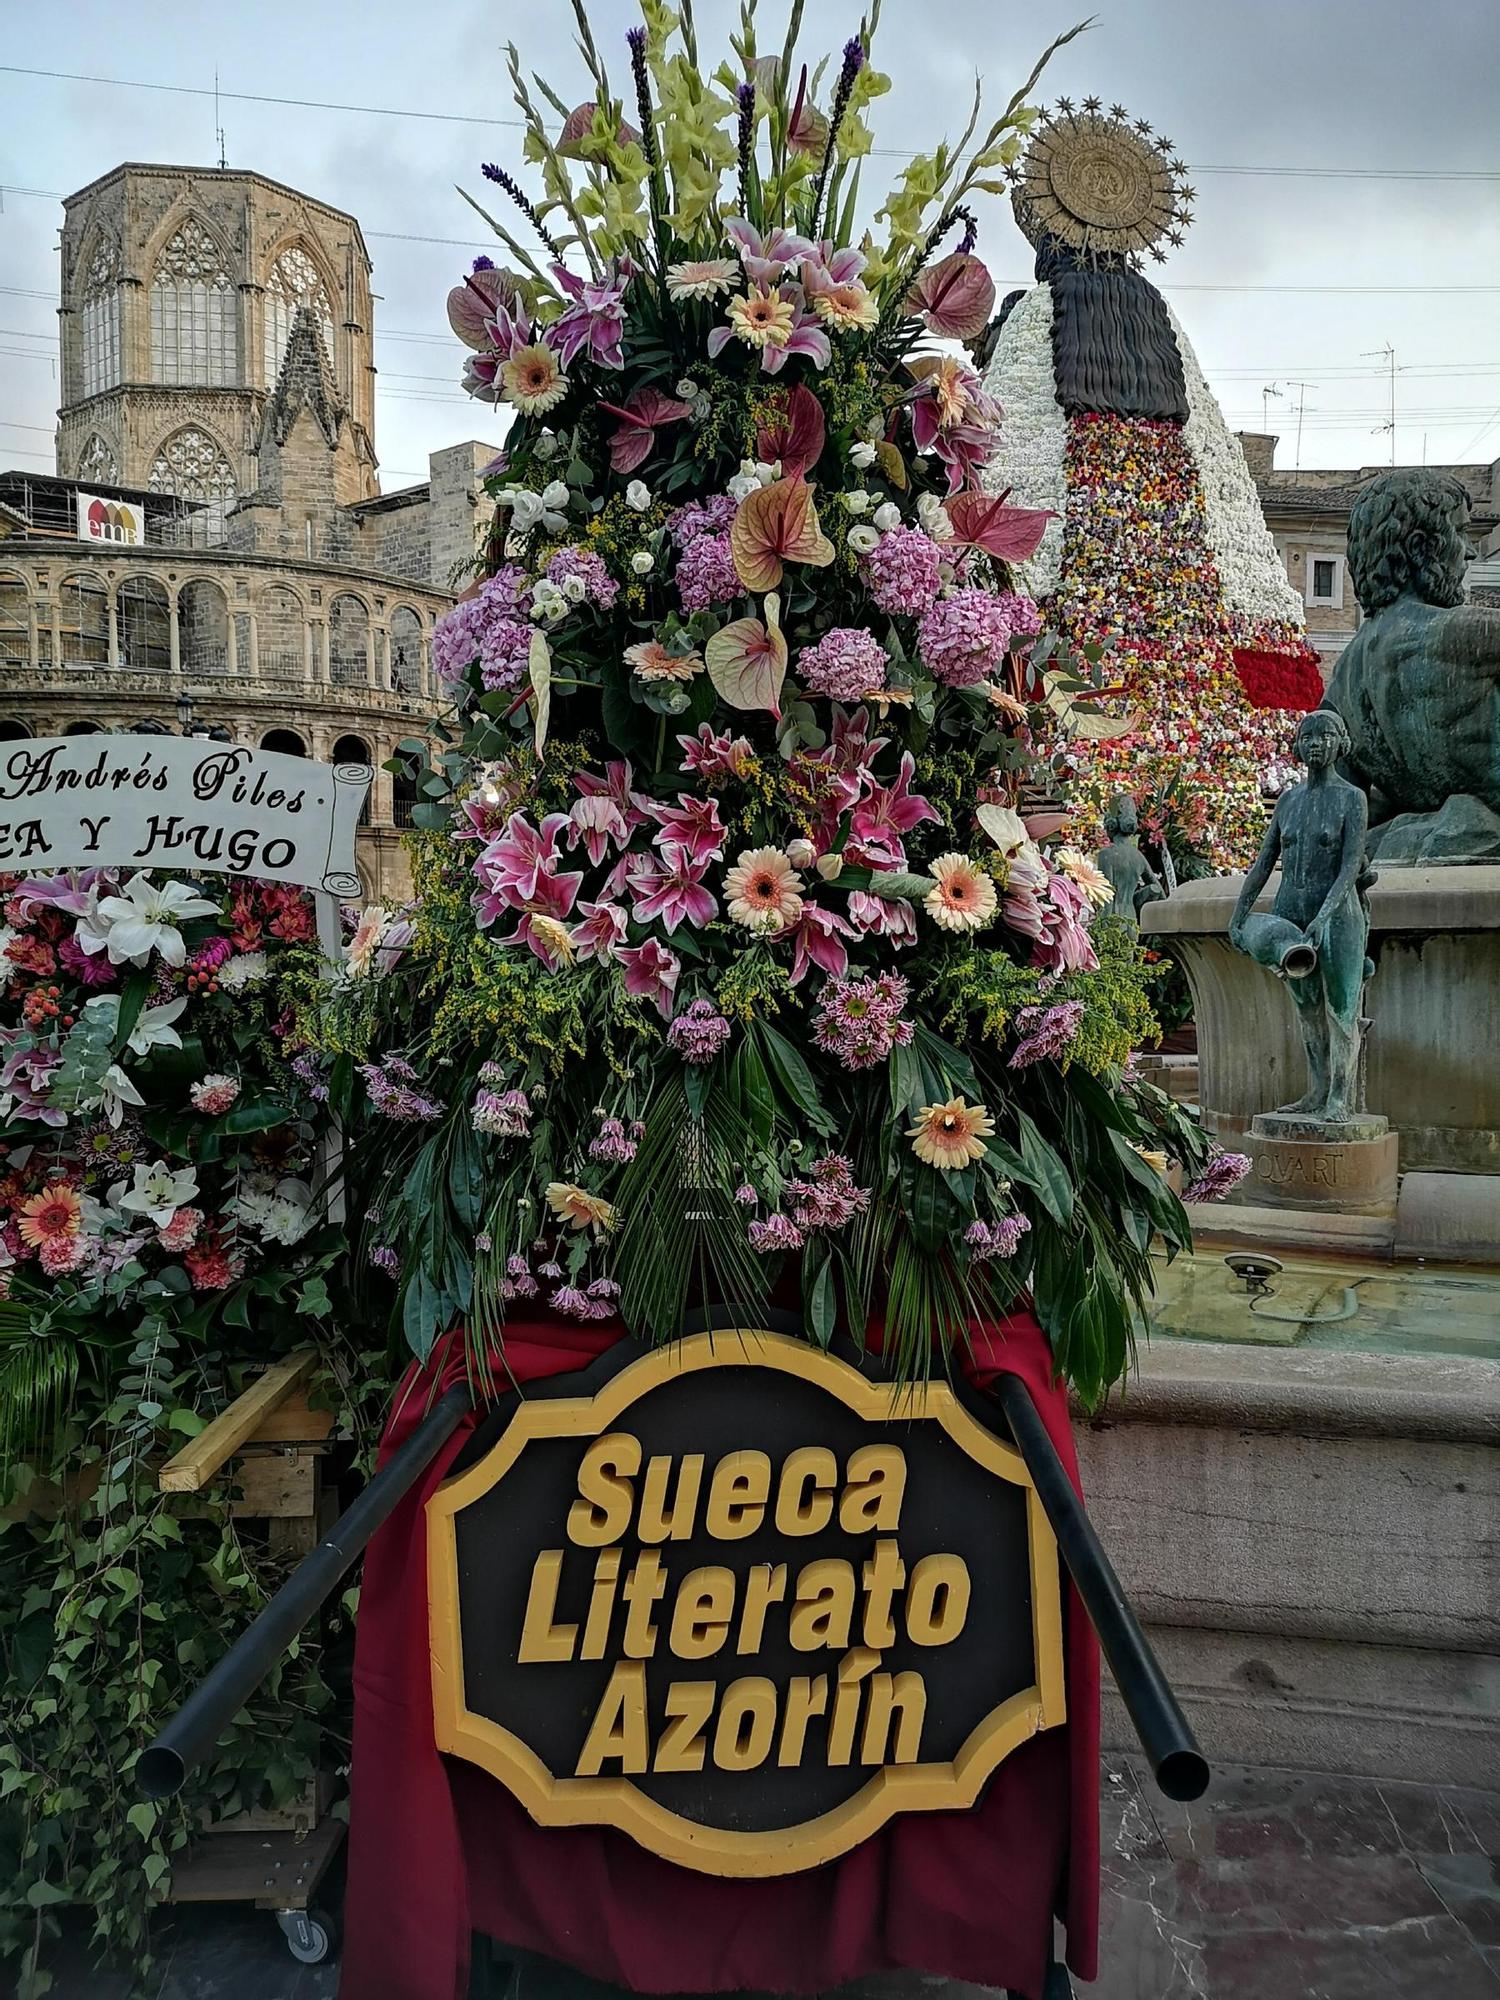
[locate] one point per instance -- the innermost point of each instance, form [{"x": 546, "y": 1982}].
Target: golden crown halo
[{"x": 1102, "y": 183}]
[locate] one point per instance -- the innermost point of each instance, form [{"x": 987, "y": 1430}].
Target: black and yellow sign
[{"x": 744, "y": 1604}]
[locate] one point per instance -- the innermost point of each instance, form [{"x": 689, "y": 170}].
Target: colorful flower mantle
[{"x": 739, "y": 963}]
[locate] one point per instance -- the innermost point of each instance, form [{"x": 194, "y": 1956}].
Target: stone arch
[
  {"x": 404, "y": 796},
  {"x": 143, "y": 613},
  {"x": 83, "y": 608},
  {"x": 13, "y": 730},
  {"x": 15, "y": 620},
  {"x": 98, "y": 463},
  {"x": 83, "y": 729},
  {"x": 408, "y": 650},
  {"x": 194, "y": 309},
  {"x": 349, "y": 640},
  {"x": 194, "y": 465},
  {"x": 355, "y": 750},
  {"x": 296, "y": 275},
  {"x": 203, "y": 627},
  {"x": 287, "y": 741},
  {"x": 281, "y": 634}
]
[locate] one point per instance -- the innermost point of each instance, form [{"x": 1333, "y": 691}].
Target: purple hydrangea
[
  {"x": 1044, "y": 1032},
  {"x": 965, "y": 636},
  {"x": 702, "y": 517},
  {"x": 699, "y": 1032},
  {"x": 861, "y": 1020},
  {"x": 599, "y": 587},
  {"x": 845, "y": 663},
  {"x": 481, "y": 628},
  {"x": 706, "y": 574},
  {"x": 904, "y": 571}
]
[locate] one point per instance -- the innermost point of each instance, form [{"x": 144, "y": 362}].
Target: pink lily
[
  {"x": 669, "y": 889},
  {"x": 816, "y": 941},
  {"x": 617, "y": 781},
  {"x": 852, "y": 746},
  {"x": 596, "y": 820},
  {"x": 651, "y": 973},
  {"x": 716, "y": 756},
  {"x": 880, "y": 916},
  {"x": 596, "y": 318},
  {"x": 1065, "y": 946},
  {"x": 515, "y": 861},
  {"x": 601, "y": 932},
  {"x": 883, "y": 815},
  {"x": 765, "y": 257},
  {"x": 806, "y": 337},
  {"x": 693, "y": 823}
]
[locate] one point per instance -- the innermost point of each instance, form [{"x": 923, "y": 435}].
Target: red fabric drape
[{"x": 437, "y": 1848}]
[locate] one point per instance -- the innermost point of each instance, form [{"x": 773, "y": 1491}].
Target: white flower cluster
[
  {"x": 1033, "y": 432},
  {"x": 1254, "y": 580}
]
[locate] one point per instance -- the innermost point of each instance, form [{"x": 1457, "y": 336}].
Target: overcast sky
[{"x": 1369, "y": 84}]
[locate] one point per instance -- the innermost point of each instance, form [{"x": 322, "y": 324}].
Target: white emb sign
[
  {"x": 101, "y": 520},
  {"x": 180, "y": 804}
]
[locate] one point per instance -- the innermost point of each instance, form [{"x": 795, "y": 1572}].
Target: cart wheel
[{"x": 311, "y": 1935}]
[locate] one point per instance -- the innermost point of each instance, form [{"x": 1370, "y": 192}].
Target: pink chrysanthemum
[
  {"x": 699, "y": 1032},
  {"x": 1045, "y": 1032},
  {"x": 861, "y": 1020},
  {"x": 776, "y": 1232}
]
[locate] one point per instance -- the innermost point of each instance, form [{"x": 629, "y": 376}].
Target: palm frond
[
  {"x": 682, "y": 1236},
  {"x": 38, "y": 1374}
]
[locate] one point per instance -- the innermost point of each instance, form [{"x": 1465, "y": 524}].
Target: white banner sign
[
  {"x": 101, "y": 520},
  {"x": 180, "y": 805}
]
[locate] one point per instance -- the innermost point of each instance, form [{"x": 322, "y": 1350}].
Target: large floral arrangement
[
  {"x": 740, "y": 961},
  {"x": 165, "y": 1146}
]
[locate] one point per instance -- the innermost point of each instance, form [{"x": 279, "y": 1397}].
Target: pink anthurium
[
  {"x": 641, "y": 415},
  {"x": 955, "y": 297},
  {"x": 984, "y": 521},
  {"x": 746, "y": 661},
  {"x": 795, "y": 435}
]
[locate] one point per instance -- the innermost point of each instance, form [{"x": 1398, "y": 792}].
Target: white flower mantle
[
  {"x": 1033, "y": 431},
  {"x": 1032, "y": 463}
]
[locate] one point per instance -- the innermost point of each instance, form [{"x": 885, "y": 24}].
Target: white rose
[
  {"x": 743, "y": 485},
  {"x": 555, "y": 494},
  {"x": 857, "y": 502},
  {"x": 766, "y": 474},
  {"x": 863, "y": 538},
  {"x": 638, "y": 495},
  {"x": 643, "y": 562},
  {"x": 574, "y": 589},
  {"x": 687, "y": 388},
  {"x": 861, "y": 455},
  {"x": 887, "y": 516}
]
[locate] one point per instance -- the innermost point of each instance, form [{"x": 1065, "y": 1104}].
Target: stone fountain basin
[{"x": 1433, "y": 1053}]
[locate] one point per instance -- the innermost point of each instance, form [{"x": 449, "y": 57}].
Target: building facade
[
  {"x": 1308, "y": 515},
  {"x": 215, "y": 551}
]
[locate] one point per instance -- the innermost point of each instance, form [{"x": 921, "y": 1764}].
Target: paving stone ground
[{"x": 1276, "y": 1886}]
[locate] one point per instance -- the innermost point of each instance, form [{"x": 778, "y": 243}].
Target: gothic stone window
[
  {"x": 97, "y": 464},
  {"x": 193, "y": 337},
  {"x": 193, "y": 466},
  {"x": 101, "y": 318},
  {"x": 294, "y": 281}
]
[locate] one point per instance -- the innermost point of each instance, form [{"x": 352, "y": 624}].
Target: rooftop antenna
[
  {"x": 1303, "y": 388},
  {"x": 1388, "y": 355},
  {"x": 218, "y": 128},
  {"x": 1266, "y": 394}
]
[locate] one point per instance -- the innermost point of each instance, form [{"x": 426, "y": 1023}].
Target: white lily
[
  {"x": 112, "y": 1094},
  {"x": 153, "y": 1027},
  {"x": 158, "y": 1192},
  {"x": 145, "y": 919}
]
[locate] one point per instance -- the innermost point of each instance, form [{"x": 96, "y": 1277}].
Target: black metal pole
[
  {"x": 1180, "y": 1767},
  {"x": 164, "y": 1764}
]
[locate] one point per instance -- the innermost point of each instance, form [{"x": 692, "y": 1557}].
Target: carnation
[
  {"x": 965, "y": 636},
  {"x": 706, "y": 574},
  {"x": 182, "y": 1231},
  {"x": 214, "y": 1094},
  {"x": 903, "y": 571},
  {"x": 845, "y": 663}
]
